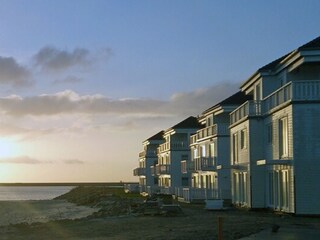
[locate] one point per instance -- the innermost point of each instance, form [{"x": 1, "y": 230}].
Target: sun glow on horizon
[{"x": 8, "y": 148}]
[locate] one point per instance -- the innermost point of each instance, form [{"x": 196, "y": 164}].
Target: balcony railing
[
  {"x": 187, "y": 166},
  {"x": 300, "y": 90},
  {"x": 216, "y": 129},
  {"x": 166, "y": 190},
  {"x": 173, "y": 146},
  {"x": 152, "y": 153},
  {"x": 187, "y": 194},
  {"x": 204, "y": 164},
  {"x": 307, "y": 90},
  {"x": 249, "y": 108},
  {"x": 162, "y": 169},
  {"x": 139, "y": 171},
  {"x": 193, "y": 139}
]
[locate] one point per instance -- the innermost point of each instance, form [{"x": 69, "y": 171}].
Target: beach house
[
  {"x": 275, "y": 140},
  {"x": 210, "y": 153},
  {"x": 174, "y": 150},
  {"x": 148, "y": 158}
]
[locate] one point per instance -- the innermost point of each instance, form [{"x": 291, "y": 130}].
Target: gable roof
[
  {"x": 311, "y": 45},
  {"x": 236, "y": 99},
  {"x": 190, "y": 122},
  {"x": 158, "y": 136}
]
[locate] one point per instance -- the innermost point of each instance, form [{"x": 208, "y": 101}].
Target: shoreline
[
  {"x": 35, "y": 211},
  {"x": 75, "y": 184},
  {"x": 111, "y": 218}
]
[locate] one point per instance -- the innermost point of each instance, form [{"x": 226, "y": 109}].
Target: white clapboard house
[{"x": 275, "y": 138}]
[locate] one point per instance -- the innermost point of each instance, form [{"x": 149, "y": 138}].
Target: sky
[{"x": 84, "y": 82}]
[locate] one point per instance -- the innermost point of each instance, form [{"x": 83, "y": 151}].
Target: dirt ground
[{"x": 193, "y": 223}]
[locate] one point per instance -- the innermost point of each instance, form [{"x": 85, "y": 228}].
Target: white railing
[
  {"x": 179, "y": 145},
  {"x": 278, "y": 97},
  {"x": 148, "y": 153},
  {"x": 306, "y": 90},
  {"x": 166, "y": 190},
  {"x": 187, "y": 194},
  {"x": 204, "y": 163},
  {"x": 139, "y": 171},
  {"x": 193, "y": 139},
  {"x": 299, "y": 90},
  {"x": 221, "y": 129},
  {"x": 249, "y": 108},
  {"x": 162, "y": 169}
]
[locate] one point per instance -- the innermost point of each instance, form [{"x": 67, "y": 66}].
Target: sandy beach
[{"x": 115, "y": 217}]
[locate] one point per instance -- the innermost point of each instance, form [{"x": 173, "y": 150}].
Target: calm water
[{"x": 32, "y": 193}]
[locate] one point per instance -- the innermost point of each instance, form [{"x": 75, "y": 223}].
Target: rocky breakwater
[{"x": 109, "y": 201}]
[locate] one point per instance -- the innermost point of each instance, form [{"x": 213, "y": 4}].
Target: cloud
[
  {"x": 70, "y": 102},
  {"x": 22, "y": 160},
  {"x": 51, "y": 58},
  {"x": 195, "y": 102},
  {"x": 54, "y": 59},
  {"x": 68, "y": 80},
  {"x": 11, "y": 73},
  {"x": 73, "y": 161}
]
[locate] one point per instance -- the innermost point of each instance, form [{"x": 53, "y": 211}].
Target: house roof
[
  {"x": 190, "y": 122},
  {"x": 158, "y": 136},
  {"x": 236, "y": 99},
  {"x": 312, "y": 45}
]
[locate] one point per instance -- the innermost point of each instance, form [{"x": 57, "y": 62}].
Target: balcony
[
  {"x": 162, "y": 169},
  {"x": 187, "y": 166},
  {"x": 204, "y": 164},
  {"x": 172, "y": 146},
  {"x": 248, "y": 109},
  {"x": 148, "y": 153},
  {"x": 298, "y": 91},
  {"x": 190, "y": 194},
  {"x": 211, "y": 131},
  {"x": 193, "y": 139},
  {"x": 307, "y": 90},
  {"x": 139, "y": 171}
]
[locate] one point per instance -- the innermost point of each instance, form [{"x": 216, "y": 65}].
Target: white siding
[{"x": 307, "y": 158}]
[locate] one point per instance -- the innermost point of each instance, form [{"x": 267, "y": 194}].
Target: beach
[
  {"x": 15, "y": 212},
  {"x": 104, "y": 215}
]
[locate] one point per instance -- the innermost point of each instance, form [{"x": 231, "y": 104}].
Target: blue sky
[{"x": 83, "y": 80}]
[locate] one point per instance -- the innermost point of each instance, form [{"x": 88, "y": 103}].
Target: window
[
  {"x": 212, "y": 150},
  {"x": 195, "y": 153},
  {"x": 243, "y": 138},
  {"x": 203, "y": 151},
  {"x": 235, "y": 147},
  {"x": 257, "y": 92},
  {"x": 208, "y": 121},
  {"x": 270, "y": 133},
  {"x": 283, "y": 137}
]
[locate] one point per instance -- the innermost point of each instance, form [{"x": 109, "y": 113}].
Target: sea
[{"x": 19, "y": 193}]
